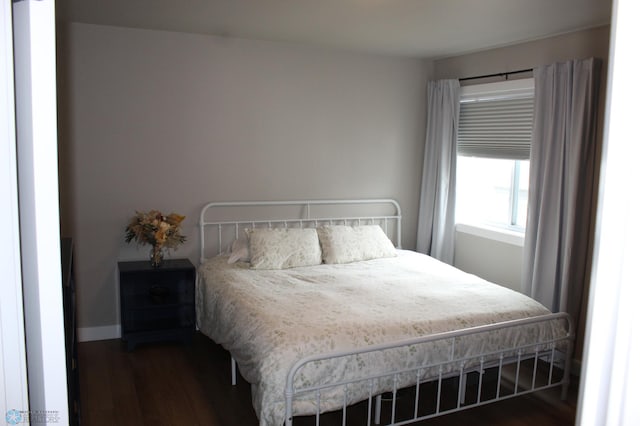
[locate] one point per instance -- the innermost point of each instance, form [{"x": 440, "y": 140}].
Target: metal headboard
[{"x": 216, "y": 234}]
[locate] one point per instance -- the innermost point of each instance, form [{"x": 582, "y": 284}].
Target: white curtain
[
  {"x": 561, "y": 184},
  {"x": 437, "y": 197}
]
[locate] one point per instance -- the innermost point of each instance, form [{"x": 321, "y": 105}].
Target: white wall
[
  {"x": 497, "y": 261},
  {"x": 579, "y": 44},
  {"x": 165, "y": 120}
]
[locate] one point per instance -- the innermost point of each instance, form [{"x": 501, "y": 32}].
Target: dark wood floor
[{"x": 173, "y": 384}]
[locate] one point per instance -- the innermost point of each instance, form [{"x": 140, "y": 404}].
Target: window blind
[{"x": 496, "y": 125}]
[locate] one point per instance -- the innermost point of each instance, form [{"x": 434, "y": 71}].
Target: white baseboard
[{"x": 107, "y": 332}]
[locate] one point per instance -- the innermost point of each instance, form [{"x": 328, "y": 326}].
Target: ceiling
[{"x": 421, "y": 28}]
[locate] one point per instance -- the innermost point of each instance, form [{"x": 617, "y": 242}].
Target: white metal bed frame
[
  {"x": 547, "y": 351},
  {"x": 306, "y": 218},
  {"x": 554, "y": 353}
]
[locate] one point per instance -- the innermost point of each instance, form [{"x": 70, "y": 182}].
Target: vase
[{"x": 156, "y": 256}]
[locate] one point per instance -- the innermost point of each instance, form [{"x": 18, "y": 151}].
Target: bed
[{"x": 334, "y": 324}]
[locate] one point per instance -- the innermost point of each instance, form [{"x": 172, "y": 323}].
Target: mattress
[{"x": 268, "y": 319}]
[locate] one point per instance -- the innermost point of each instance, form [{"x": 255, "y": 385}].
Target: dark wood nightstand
[{"x": 157, "y": 304}]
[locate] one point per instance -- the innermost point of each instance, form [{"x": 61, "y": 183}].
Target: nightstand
[{"x": 157, "y": 304}]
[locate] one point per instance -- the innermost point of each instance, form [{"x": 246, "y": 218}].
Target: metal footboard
[{"x": 459, "y": 382}]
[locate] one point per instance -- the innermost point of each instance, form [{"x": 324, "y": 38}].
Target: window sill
[{"x": 496, "y": 234}]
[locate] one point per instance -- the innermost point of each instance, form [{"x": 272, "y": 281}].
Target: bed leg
[
  {"x": 377, "y": 410},
  {"x": 233, "y": 371},
  {"x": 462, "y": 391}
]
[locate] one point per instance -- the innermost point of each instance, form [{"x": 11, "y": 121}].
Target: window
[
  {"x": 492, "y": 191},
  {"x": 493, "y": 154}
]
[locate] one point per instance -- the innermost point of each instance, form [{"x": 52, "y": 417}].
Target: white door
[
  {"x": 13, "y": 365},
  {"x": 37, "y": 157},
  {"x": 610, "y": 382}
]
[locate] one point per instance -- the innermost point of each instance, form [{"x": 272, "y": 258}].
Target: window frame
[{"x": 504, "y": 90}]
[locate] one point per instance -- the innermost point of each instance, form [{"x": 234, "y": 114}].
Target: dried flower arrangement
[{"x": 158, "y": 230}]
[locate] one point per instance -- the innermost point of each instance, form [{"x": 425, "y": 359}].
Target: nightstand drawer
[
  {"x": 162, "y": 318},
  {"x": 151, "y": 290}
]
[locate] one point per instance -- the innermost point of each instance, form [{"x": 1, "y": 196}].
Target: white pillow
[
  {"x": 280, "y": 248},
  {"x": 345, "y": 244},
  {"x": 239, "y": 251}
]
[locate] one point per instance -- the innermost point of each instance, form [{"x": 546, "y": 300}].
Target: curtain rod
[{"x": 500, "y": 74}]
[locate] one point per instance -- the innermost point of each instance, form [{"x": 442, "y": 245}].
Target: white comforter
[{"x": 270, "y": 319}]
